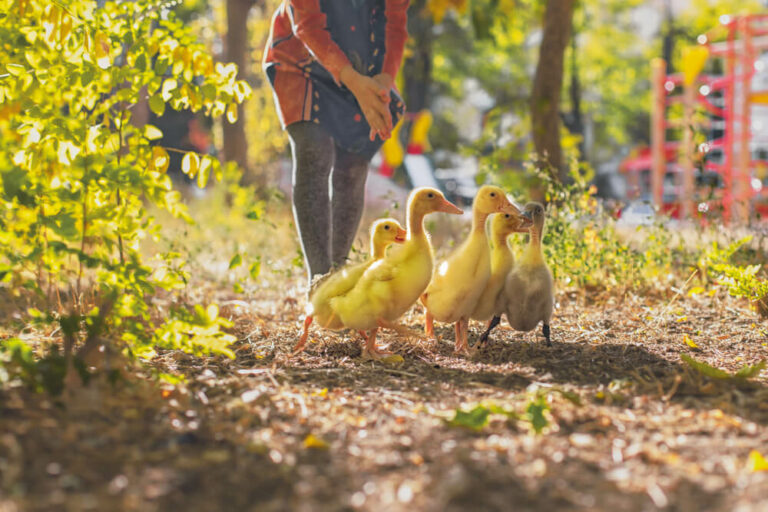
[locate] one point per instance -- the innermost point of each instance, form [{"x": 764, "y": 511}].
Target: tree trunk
[
  {"x": 575, "y": 121},
  {"x": 417, "y": 68},
  {"x": 548, "y": 83},
  {"x": 236, "y": 50}
]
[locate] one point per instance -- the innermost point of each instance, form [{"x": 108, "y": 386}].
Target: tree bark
[
  {"x": 417, "y": 68},
  {"x": 575, "y": 121},
  {"x": 548, "y": 83},
  {"x": 236, "y": 50}
]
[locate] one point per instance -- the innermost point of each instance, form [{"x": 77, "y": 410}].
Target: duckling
[
  {"x": 459, "y": 280},
  {"x": 502, "y": 226},
  {"x": 529, "y": 289},
  {"x": 384, "y": 232},
  {"x": 391, "y": 285}
]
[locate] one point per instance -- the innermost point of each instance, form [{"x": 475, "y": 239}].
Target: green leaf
[
  {"x": 475, "y": 419},
  {"x": 161, "y": 66},
  {"x": 157, "y": 105},
  {"x": 141, "y": 62},
  {"x": 255, "y": 269},
  {"x": 535, "y": 413},
  {"x": 236, "y": 261},
  {"x": 704, "y": 368},
  {"x": 747, "y": 372},
  {"x": 256, "y": 212},
  {"x": 86, "y": 77}
]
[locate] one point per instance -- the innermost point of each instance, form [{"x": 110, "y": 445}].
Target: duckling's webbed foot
[
  {"x": 429, "y": 325},
  {"x": 462, "y": 327},
  {"x": 496, "y": 320},
  {"x": 304, "y": 335},
  {"x": 371, "y": 351},
  {"x": 545, "y": 332}
]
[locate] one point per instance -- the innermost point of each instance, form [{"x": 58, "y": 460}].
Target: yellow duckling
[
  {"x": 459, "y": 280},
  {"x": 529, "y": 289},
  {"x": 502, "y": 226},
  {"x": 391, "y": 285},
  {"x": 384, "y": 232}
]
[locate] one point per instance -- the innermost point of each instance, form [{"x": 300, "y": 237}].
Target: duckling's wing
[
  {"x": 382, "y": 271},
  {"x": 337, "y": 282}
]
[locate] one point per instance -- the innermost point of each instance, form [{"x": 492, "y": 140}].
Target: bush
[{"x": 77, "y": 175}]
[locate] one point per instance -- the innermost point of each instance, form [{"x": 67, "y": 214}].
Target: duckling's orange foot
[
  {"x": 375, "y": 353},
  {"x": 462, "y": 351},
  {"x": 462, "y": 346},
  {"x": 299, "y": 348},
  {"x": 429, "y": 326},
  {"x": 371, "y": 351}
]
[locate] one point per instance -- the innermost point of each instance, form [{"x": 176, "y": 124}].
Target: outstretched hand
[{"x": 373, "y": 96}]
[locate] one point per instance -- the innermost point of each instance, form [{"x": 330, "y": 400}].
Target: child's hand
[
  {"x": 386, "y": 81},
  {"x": 373, "y": 99}
]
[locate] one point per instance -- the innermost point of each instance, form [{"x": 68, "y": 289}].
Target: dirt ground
[{"x": 630, "y": 425}]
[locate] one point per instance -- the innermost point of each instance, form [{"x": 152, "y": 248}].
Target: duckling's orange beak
[
  {"x": 525, "y": 223},
  {"x": 507, "y": 207},
  {"x": 449, "y": 207},
  {"x": 400, "y": 236}
]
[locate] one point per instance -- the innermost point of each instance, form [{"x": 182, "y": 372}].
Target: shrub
[{"x": 77, "y": 175}]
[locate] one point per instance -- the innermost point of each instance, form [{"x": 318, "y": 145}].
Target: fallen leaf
[
  {"x": 688, "y": 341},
  {"x": 475, "y": 419},
  {"x": 392, "y": 360},
  {"x": 313, "y": 442},
  {"x": 756, "y": 462}
]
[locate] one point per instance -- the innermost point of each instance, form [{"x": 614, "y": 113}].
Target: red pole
[
  {"x": 744, "y": 160},
  {"x": 686, "y": 197},
  {"x": 658, "y": 130},
  {"x": 729, "y": 105}
]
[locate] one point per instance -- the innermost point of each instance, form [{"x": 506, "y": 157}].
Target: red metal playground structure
[{"x": 709, "y": 131}]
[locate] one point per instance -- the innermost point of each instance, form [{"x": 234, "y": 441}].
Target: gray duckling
[{"x": 529, "y": 288}]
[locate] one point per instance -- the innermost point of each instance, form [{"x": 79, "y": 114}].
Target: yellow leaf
[
  {"x": 696, "y": 290},
  {"x": 65, "y": 28},
  {"x": 323, "y": 393},
  {"x": 160, "y": 159},
  {"x": 756, "y": 462},
  {"x": 688, "y": 341},
  {"x": 189, "y": 164},
  {"x": 102, "y": 49},
  {"x": 392, "y": 360},
  {"x": 232, "y": 113},
  {"x": 315, "y": 443},
  {"x": 15, "y": 69},
  {"x": 205, "y": 172},
  {"x": 168, "y": 86},
  {"x": 152, "y": 132}
]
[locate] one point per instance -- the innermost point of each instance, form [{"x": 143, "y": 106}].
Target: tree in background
[
  {"x": 548, "y": 83},
  {"x": 236, "y": 45}
]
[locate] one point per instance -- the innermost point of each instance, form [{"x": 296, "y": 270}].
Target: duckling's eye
[
  {"x": 493, "y": 194},
  {"x": 386, "y": 227},
  {"x": 430, "y": 195},
  {"x": 506, "y": 215}
]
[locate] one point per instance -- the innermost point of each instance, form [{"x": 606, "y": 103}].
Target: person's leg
[
  {"x": 350, "y": 171},
  {"x": 313, "y": 155}
]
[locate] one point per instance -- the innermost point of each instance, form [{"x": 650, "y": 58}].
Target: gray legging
[{"x": 328, "y": 196}]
